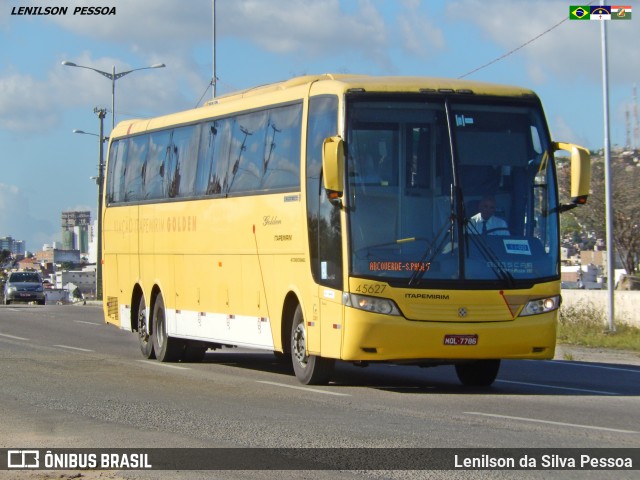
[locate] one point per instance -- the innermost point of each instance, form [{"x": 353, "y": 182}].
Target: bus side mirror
[
  {"x": 333, "y": 167},
  {"x": 580, "y": 173}
]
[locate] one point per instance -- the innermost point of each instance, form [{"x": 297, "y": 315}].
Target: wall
[{"x": 626, "y": 303}]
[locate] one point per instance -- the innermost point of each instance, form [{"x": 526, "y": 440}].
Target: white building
[{"x": 84, "y": 279}]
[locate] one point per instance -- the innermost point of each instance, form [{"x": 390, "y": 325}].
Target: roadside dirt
[{"x": 596, "y": 355}]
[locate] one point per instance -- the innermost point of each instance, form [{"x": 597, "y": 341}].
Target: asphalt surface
[{"x": 70, "y": 381}]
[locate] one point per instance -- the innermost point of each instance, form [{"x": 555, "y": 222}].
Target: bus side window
[
  {"x": 249, "y": 137},
  {"x": 136, "y": 158},
  {"x": 159, "y": 143},
  {"x": 186, "y": 143},
  {"x": 282, "y": 153},
  {"x": 323, "y": 218},
  {"x": 117, "y": 167},
  {"x": 207, "y": 182}
]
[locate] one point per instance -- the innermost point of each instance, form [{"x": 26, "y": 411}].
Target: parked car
[{"x": 24, "y": 287}]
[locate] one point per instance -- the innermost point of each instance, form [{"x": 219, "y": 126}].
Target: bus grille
[
  {"x": 112, "y": 308},
  {"x": 458, "y": 313}
]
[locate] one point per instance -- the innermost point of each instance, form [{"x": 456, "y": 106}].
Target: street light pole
[
  {"x": 608, "y": 183},
  {"x": 113, "y": 76},
  {"x": 101, "y": 114}
]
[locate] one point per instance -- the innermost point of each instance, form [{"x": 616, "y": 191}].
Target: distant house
[
  {"x": 84, "y": 280},
  {"x": 29, "y": 264}
]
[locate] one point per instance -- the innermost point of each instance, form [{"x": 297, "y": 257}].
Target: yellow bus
[{"x": 341, "y": 217}]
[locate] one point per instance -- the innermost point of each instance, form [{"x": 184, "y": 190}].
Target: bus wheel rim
[
  {"x": 299, "y": 345},
  {"x": 143, "y": 331}
]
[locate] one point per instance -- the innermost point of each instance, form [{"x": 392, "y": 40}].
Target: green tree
[
  {"x": 66, "y": 266},
  {"x": 4, "y": 256},
  {"x": 626, "y": 208}
]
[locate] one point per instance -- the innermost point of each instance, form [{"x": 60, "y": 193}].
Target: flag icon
[
  {"x": 620, "y": 12},
  {"x": 578, "y": 12},
  {"x": 600, "y": 13}
]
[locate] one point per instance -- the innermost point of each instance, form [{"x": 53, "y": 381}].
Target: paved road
[{"x": 69, "y": 380}]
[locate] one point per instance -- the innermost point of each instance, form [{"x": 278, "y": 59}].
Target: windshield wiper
[
  {"x": 489, "y": 255},
  {"x": 446, "y": 229}
]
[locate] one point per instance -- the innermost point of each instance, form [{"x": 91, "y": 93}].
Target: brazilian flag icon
[{"x": 579, "y": 12}]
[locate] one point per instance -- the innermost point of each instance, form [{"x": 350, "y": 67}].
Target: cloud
[
  {"x": 561, "y": 128},
  {"x": 302, "y": 27},
  {"x": 419, "y": 35},
  {"x": 31, "y": 104},
  {"x": 172, "y": 32},
  {"x": 24, "y": 104},
  {"x": 571, "y": 51},
  {"x": 17, "y": 221}
]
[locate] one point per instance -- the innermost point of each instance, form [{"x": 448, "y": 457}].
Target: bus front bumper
[{"x": 375, "y": 337}]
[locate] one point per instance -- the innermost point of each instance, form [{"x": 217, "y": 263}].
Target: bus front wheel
[
  {"x": 167, "y": 349},
  {"x": 309, "y": 369},
  {"x": 481, "y": 373}
]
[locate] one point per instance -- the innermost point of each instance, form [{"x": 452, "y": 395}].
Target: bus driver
[{"x": 485, "y": 222}]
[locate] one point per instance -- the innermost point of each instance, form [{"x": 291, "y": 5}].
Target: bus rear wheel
[
  {"x": 309, "y": 369},
  {"x": 144, "y": 335},
  {"x": 167, "y": 349},
  {"x": 481, "y": 373}
]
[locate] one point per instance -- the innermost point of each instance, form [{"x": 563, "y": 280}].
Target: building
[
  {"x": 16, "y": 247},
  {"x": 75, "y": 230},
  {"x": 55, "y": 255},
  {"x": 85, "y": 280},
  {"x": 93, "y": 242},
  {"x": 590, "y": 271}
]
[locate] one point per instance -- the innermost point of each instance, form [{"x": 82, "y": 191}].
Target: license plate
[{"x": 461, "y": 339}]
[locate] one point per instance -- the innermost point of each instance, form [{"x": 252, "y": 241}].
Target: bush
[{"x": 584, "y": 325}]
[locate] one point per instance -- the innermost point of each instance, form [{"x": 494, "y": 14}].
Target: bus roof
[
  {"x": 380, "y": 84},
  {"x": 325, "y": 83}
]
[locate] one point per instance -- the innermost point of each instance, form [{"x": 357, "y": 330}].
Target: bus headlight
[
  {"x": 371, "y": 304},
  {"x": 541, "y": 305}
]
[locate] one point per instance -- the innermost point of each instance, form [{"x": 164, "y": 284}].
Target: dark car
[{"x": 24, "y": 287}]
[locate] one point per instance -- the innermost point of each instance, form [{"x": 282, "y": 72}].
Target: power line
[
  {"x": 518, "y": 48},
  {"x": 211, "y": 84}
]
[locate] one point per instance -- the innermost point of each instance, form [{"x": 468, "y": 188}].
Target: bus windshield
[{"x": 457, "y": 192}]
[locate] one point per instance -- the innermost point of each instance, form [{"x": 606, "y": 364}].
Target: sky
[{"x": 45, "y": 168}]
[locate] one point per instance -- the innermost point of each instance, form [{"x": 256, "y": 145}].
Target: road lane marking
[
  {"x": 160, "y": 364},
  {"x": 73, "y": 348},
  {"x": 573, "y": 364},
  {"x": 88, "y": 323},
  {"x": 599, "y": 392},
  {"x": 13, "y": 337},
  {"x": 549, "y": 422},
  {"x": 306, "y": 389}
]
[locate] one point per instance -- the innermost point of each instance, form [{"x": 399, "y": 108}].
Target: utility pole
[
  {"x": 608, "y": 190},
  {"x": 101, "y": 112}
]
